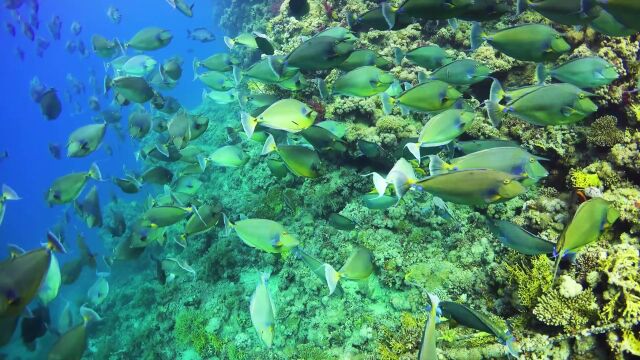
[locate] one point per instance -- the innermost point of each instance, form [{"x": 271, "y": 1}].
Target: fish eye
[
  {"x": 581, "y": 96},
  {"x": 532, "y": 160},
  {"x": 558, "y": 36},
  {"x": 506, "y": 181}
]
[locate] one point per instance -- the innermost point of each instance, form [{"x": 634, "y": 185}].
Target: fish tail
[
  {"x": 332, "y": 277},
  {"x": 422, "y": 77},
  {"x": 8, "y": 193},
  {"x": 414, "y": 149},
  {"x": 387, "y": 103},
  {"x": 123, "y": 47},
  {"x": 556, "y": 266},
  {"x": 229, "y": 42},
  {"x": 269, "y": 145},
  {"x": 453, "y": 23},
  {"x": 389, "y": 14},
  {"x": 53, "y": 243},
  {"x": 89, "y": 314},
  {"x": 435, "y": 302},
  {"x": 275, "y": 67},
  {"x": 522, "y": 6},
  {"x": 351, "y": 19},
  {"x": 322, "y": 88},
  {"x": 437, "y": 166},
  {"x": 496, "y": 93},
  {"x": 249, "y": 123},
  {"x": 541, "y": 74},
  {"x": 476, "y": 35},
  {"x": 398, "y": 55},
  {"x": 228, "y": 225},
  {"x": 94, "y": 172},
  {"x": 195, "y": 211},
  {"x": 400, "y": 184},
  {"x": 108, "y": 82},
  {"x": 194, "y": 64},
  {"x": 495, "y": 112},
  {"x": 379, "y": 183},
  {"x": 237, "y": 75},
  {"x": 202, "y": 162}
]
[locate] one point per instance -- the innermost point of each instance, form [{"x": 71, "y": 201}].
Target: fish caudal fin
[
  {"x": 389, "y": 14},
  {"x": 398, "y": 55},
  {"x": 379, "y": 183},
  {"x": 269, "y": 145},
  {"x": 88, "y": 314},
  {"x": 476, "y": 35},
  {"x": 387, "y": 103},
  {"x": 414, "y": 149},
  {"x": 8, "y": 193},
  {"x": 332, "y": 277},
  {"x": 249, "y": 124},
  {"x": 228, "y": 225},
  {"x": 237, "y": 75},
  {"x": 435, "y": 301},
  {"x": 229, "y": 42},
  {"x": 437, "y": 166},
  {"x": 54, "y": 244},
  {"x": 541, "y": 74},
  {"x": 522, "y": 6},
  {"x": 276, "y": 67},
  {"x": 195, "y": 64},
  {"x": 94, "y": 172},
  {"x": 494, "y": 109}
]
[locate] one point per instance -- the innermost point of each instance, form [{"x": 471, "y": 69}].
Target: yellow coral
[
  {"x": 581, "y": 180},
  {"x": 531, "y": 280}
]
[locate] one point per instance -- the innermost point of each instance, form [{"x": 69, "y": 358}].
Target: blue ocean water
[{"x": 30, "y": 168}]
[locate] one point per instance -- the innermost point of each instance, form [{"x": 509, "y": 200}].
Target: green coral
[
  {"x": 578, "y": 179},
  {"x": 191, "y": 330},
  {"x": 572, "y": 313},
  {"x": 531, "y": 278},
  {"x": 397, "y": 343},
  {"x": 604, "y": 132},
  {"x": 622, "y": 297}
]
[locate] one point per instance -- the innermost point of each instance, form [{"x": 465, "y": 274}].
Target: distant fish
[
  {"x": 27, "y": 30},
  {"x": 358, "y": 267},
  {"x": 99, "y": 290},
  {"x": 76, "y": 28},
  {"x": 114, "y": 14},
  {"x": 298, "y": 8},
  {"x": 67, "y": 188},
  {"x": 41, "y": 45},
  {"x": 71, "y": 46},
  {"x": 35, "y": 326},
  {"x": 11, "y": 29},
  {"x": 50, "y": 104},
  {"x": 201, "y": 34},
  {"x": 3, "y": 155},
  {"x": 89, "y": 208},
  {"x": 55, "y": 151},
  {"x": 7, "y": 194},
  {"x": 82, "y": 49},
  {"x": 34, "y": 20},
  {"x": 55, "y": 25},
  {"x": 19, "y": 53},
  {"x": 13, "y": 4},
  {"x": 182, "y": 6}
]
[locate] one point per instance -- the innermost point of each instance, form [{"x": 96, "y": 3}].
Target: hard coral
[
  {"x": 604, "y": 132},
  {"x": 572, "y": 314}
]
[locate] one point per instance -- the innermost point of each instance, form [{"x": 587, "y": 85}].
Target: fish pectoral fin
[{"x": 567, "y": 111}]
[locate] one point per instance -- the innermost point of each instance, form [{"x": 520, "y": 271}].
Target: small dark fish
[
  {"x": 128, "y": 184},
  {"x": 71, "y": 46},
  {"x": 34, "y": 327},
  {"x": 82, "y": 49},
  {"x": 55, "y": 25},
  {"x": 34, "y": 21},
  {"x": 298, "y": 8},
  {"x": 201, "y": 34},
  {"x": 10, "y": 28},
  {"x": 160, "y": 273},
  {"x": 519, "y": 239},
  {"x": 50, "y": 104},
  {"x": 369, "y": 149},
  {"x": 341, "y": 222},
  {"x": 41, "y": 46},
  {"x": 19, "y": 53},
  {"x": 119, "y": 226},
  {"x": 3, "y": 155},
  {"x": 158, "y": 175},
  {"x": 55, "y": 150},
  {"x": 28, "y": 31}
]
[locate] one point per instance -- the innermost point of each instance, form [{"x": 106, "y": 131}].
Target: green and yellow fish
[
  {"x": 72, "y": 344},
  {"x": 358, "y": 267},
  {"x": 227, "y": 156},
  {"x": 263, "y": 234},
  {"x": 7, "y": 194},
  {"x": 288, "y": 114},
  {"x": 442, "y": 129},
  {"x": 586, "y": 72},
  {"x": 85, "y": 140},
  {"x": 472, "y": 187},
  {"x": 430, "y": 96},
  {"x": 364, "y": 81},
  {"x": 67, "y": 188},
  {"x": 300, "y": 160},
  {"x": 262, "y": 311},
  {"x": 525, "y": 42},
  {"x": 150, "y": 38},
  {"x": 591, "y": 218}
]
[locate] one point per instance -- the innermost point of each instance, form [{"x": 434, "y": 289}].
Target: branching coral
[
  {"x": 573, "y": 313},
  {"x": 604, "y": 132},
  {"x": 531, "y": 280},
  {"x": 191, "y": 329}
]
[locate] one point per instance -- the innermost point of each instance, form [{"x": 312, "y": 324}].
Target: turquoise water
[{"x": 460, "y": 186}]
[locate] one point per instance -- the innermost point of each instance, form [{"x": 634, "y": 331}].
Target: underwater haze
[{"x": 320, "y": 179}]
